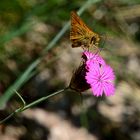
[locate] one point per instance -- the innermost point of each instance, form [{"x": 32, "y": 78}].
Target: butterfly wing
[{"x": 80, "y": 33}]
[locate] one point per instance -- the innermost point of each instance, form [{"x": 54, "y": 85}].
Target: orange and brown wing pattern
[
  {"x": 79, "y": 30},
  {"x": 80, "y": 34}
]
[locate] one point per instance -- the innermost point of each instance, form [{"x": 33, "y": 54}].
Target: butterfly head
[{"x": 95, "y": 40}]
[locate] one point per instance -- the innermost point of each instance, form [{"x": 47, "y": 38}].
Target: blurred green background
[{"x": 36, "y": 65}]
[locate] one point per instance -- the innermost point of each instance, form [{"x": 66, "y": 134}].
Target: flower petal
[
  {"x": 97, "y": 89},
  {"x": 109, "y": 89}
]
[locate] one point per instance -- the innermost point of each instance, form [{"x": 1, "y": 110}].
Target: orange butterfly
[{"x": 81, "y": 35}]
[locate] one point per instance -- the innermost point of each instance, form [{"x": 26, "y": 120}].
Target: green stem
[
  {"x": 42, "y": 99},
  {"x": 7, "y": 118},
  {"x": 33, "y": 104}
]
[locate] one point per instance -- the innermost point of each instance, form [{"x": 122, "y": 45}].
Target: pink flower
[
  {"x": 91, "y": 58},
  {"x": 94, "y": 73},
  {"x": 100, "y": 78}
]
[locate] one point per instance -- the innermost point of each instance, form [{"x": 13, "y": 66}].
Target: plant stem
[
  {"x": 42, "y": 99},
  {"x": 33, "y": 104}
]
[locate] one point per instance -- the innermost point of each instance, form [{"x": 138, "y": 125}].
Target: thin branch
[
  {"x": 32, "y": 104},
  {"x": 24, "y": 103}
]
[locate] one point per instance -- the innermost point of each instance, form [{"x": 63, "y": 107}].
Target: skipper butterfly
[{"x": 81, "y": 35}]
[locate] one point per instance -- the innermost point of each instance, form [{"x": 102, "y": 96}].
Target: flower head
[
  {"x": 91, "y": 58},
  {"x": 100, "y": 78},
  {"x": 94, "y": 73}
]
